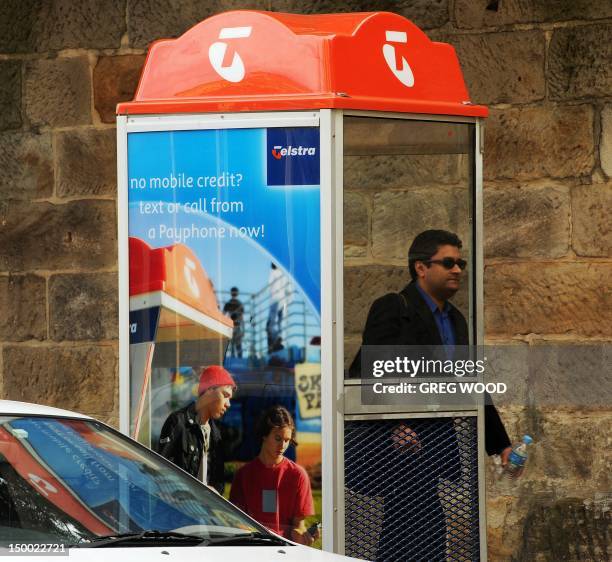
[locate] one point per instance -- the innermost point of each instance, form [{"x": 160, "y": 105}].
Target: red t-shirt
[{"x": 275, "y": 495}]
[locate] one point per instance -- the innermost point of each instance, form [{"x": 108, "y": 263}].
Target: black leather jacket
[{"x": 181, "y": 441}]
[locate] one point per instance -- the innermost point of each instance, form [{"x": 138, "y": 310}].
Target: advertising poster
[{"x": 230, "y": 221}]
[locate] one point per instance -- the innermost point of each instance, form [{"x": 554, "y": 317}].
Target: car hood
[{"x": 209, "y": 554}]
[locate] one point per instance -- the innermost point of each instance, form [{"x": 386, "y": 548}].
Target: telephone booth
[{"x": 273, "y": 171}]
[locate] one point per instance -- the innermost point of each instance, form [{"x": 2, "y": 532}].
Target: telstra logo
[{"x": 279, "y": 151}]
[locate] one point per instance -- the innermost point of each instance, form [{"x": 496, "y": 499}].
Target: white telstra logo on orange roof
[
  {"x": 189, "y": 268},
  {"x": 216, "y": 53},
  {"x": 404, "y": 73}
]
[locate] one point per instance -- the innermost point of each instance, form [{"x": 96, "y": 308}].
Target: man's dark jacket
[
  {"x": 394, "y": 320},
  {"x": 181, "y": 441}
]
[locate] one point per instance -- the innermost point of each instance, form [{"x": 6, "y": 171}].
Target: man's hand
[
  {"x": 303, "y": 537},
  {"x": 405, "y": 439},
  {"x": 300, "y": 534},
  {"x": 505, "y": 454}
]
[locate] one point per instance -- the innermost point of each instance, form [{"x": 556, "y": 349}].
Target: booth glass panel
[
  {"x": 411, "y": 482},
  {"x": 401, "y": 177}
]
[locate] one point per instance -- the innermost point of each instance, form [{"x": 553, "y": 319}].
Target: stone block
[
  {"x": 565, "y": 429},
  {"x": 351, "y": 347},
  {"x": 427, "y": 14},
  {"x": 579, "y": 62},
  {"x": 403, "y": 171},
  {"x": 23, "y": 305},
  {"x": 79, "y": 234},
  {"x": 83, "y": 307},
  {"x": 10, "y": 94},
  {"x": 605, "y": 145},
  {"x": 498, "y": 510},
  {"x": 558, "y": 366},
  {"x": 16, "y": 26},
  {"x": 591, "y": 223},
  {"x": 33, "y": 26},
  {"x": 149, "y": 20},
  {"x": 564, "y": 529},
  {"x": 112, "y": 418},
  {"x": 514, "y": 59},
  {"x": 87, "y": 162},
  {"x": 355, "y": 252},
  {"x": 509, "y": 364},
  {"x": 548, "y": 298},
  {"x": 58, "y": 91},
  {"x": 527, "y": 221},
  {"x": 363, "y": 285},
  {"x": 227, "y": 5},
  {"x": 92, "y": 24},
  {"x": 492, "y": 13},
  {"x": 115, "y": 79},
  {"x": 26, "y": 161},
  {"x": 356, "y": 224},
  {"x": 81, "y": 378},
  {"x": 398, "y": 216},
  {"x": 462, "y": 299},
  {"x": 544, "y": 376},
  {"x": 533, "y": 142}
]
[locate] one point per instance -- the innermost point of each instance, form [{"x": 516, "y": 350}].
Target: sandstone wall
[{"x": 544, "y": 68}]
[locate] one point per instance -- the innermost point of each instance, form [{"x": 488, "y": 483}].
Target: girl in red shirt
[{"x": 271, "y": 488}]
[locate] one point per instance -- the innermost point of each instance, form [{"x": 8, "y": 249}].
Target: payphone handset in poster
[{"x": 224, "y": 229}]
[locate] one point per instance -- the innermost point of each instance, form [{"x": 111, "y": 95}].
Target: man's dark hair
[
  {"x": 426, "y": 244},
  {"x": 275, "y": 417}
]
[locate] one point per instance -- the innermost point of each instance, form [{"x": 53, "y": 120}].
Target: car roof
[{"x": 12, "y": 408}]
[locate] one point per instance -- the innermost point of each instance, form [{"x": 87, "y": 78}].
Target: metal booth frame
[{"x": 337, "y": 394}]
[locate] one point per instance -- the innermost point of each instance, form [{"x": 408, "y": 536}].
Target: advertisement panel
[{"x": 224, "y": 228}]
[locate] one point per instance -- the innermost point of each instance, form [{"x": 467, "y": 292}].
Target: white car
[{"x": 71, "y": 484}]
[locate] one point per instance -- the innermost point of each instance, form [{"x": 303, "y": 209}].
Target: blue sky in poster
[{"x": 216, "y": 183}]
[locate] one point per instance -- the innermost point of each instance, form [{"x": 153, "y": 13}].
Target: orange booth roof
[
  {"x": 267, "y": 61},
  {"x": 176, "y": 271}
]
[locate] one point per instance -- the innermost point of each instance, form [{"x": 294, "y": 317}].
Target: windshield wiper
[
  {"x": 148, "y": 536},
  {"x": 247, "y": 539}
]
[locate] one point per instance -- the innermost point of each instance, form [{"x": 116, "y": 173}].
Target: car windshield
[{"x": 69, "y": 481}]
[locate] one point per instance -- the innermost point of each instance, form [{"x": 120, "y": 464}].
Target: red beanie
[{"x": 215, "y": 375}]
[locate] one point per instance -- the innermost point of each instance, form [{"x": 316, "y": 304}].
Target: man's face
[
  {"x": 214, "y": 402},
  {"x": 276, "y": 442},
  {"x": 436, "y": 279}
]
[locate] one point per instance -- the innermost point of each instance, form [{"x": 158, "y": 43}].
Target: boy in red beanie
[{"x": 190, "y": 437}]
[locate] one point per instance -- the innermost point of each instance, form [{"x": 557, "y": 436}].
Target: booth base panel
[{"x": 412, "y": 490}]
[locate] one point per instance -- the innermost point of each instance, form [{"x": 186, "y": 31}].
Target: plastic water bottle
[{"x": 517, "y": 459}]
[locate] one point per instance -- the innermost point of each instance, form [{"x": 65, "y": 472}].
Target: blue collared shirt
[{"x": 443, "y": 321}]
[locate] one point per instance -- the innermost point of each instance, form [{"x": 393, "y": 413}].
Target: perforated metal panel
[{"x": 412, "y": 490}]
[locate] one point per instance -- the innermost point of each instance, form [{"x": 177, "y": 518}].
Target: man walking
[
  {"x": 191, "y": 439},
  {"x": 421, "y": 315}
]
